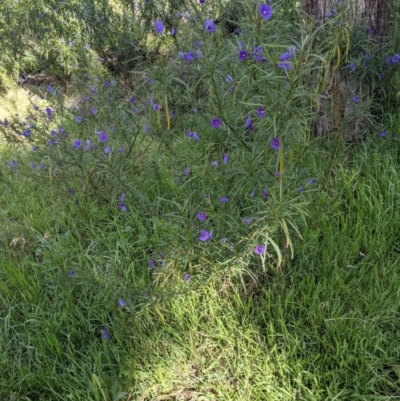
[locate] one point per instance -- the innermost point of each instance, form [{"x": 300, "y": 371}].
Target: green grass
[
  {"x": 326, "y": 328},
  {"x": 323, "y": 325}
]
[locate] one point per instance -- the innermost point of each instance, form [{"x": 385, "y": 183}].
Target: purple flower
[
  {"x": 87, "y": 147},
  {"x": 78, "y": 119},
  {"x": 300, "y": 189},
  {"x": 275, "y": 143},
  {"x": 259, "y": 249},
  {"x": 189, "y": 56},
  {"x": 284, "y": 66},
  {"x": 122, "y": 197},
  {"x": 121, "y": 303},
  {"x": 252, "y": 193},
  {"x": 383, "y": 133},
  {"x": 152, "y": 263},
  {"x": 201, "y": 216},
  {"x": 146, "y": 129},
  {"x": 132, "y": 99},
  {"x": 13, "y": 164},
  {"x": 249, "y": 125},
  {"x": 71, "y": 273},
  {"x": 186, "y": 171},
  {"x": 396, "y": 58},
  {"x": 106, "y": 335},
  {"x": 173, "y": 31},
  {"x": 205, "y": 236},
  {"x": 261, "y": 112},
  {"x": 33, "y": 165},
  {"x": 351, "y": 66},
  {"x": 193, "y": 135},
  {"x": 159, "y": 27},
  {"x": 356, "y": 99},
  {"x": 156, "y": 107},
  {"x": 224, "y": 199},
  {"x": 247, "y": 220},
  {"x": 214, "y": 163},
  {"x": 285, "y": 56},
  {"x": 381, "y": 75},
  {"x": 265, "y": 193},
  {"x": 311, "y": 181},
  {"x": 107, "y": 150},
  {"x": 94, "y": 111},
  {"x": 77, "y": 143},
  {"x": 186, "y": 277},
  {"x": 103, "y": 137},
  {"x": 216, "y": 122},
  {"x": 48, "y": 111},
  {"x": 225, "y": 158},
  {"x": 209, "y": 25},
  {"x": 122, "y": 206},
  {"x": 243, "y": 55},
  {"x": 258, "y": 53},
  {"x": 265, "y": 11}
]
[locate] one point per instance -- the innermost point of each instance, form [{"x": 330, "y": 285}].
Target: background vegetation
[{"x": 173, "y": 227}]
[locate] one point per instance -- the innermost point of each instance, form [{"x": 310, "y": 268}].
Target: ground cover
[{"x": 179, "y": 232}]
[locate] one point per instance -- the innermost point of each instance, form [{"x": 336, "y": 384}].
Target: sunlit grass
[
  {"x": 15, "y": 101},
  {"x": 325, "y": 328}
]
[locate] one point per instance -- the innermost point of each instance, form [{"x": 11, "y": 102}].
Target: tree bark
[{"x": 371, "y": 14}]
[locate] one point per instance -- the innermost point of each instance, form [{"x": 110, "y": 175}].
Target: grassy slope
[{"x": 327, "y": 328}]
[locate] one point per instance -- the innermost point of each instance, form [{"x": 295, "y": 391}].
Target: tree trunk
[{"x": 337, "y": 112}]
